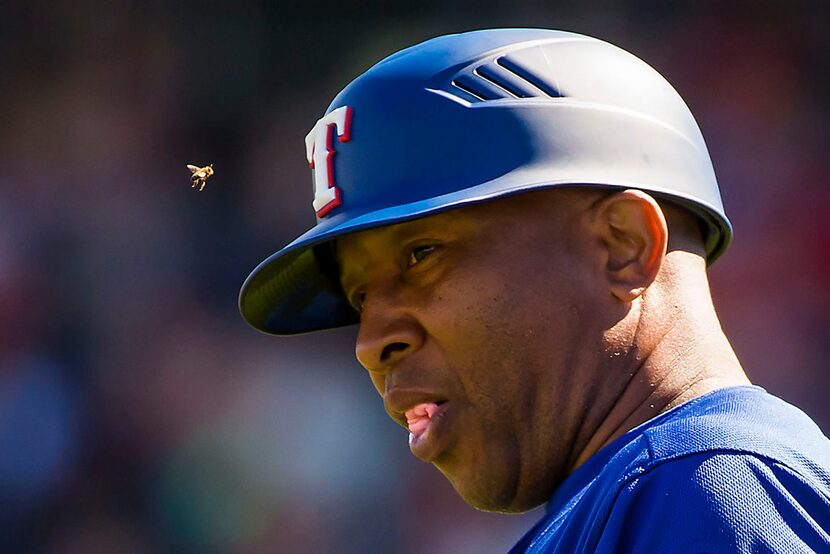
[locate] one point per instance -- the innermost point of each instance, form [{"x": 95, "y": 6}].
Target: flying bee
[{"x": 200, "y": 175}]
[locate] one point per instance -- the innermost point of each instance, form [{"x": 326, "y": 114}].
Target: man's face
[{"x": 483, "y": 325}]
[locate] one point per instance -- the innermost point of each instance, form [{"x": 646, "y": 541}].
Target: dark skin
[{"x": 546, "y": 325}]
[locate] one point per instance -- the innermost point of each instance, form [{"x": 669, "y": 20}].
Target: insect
[{"x": 200, "y": 175}]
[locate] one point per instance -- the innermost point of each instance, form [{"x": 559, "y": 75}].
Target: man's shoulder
[
  {"x": 719, "y": 501},
  {"x": 714, "y": 474},
  {"x": 739, "y": 455},
  {"x": 726, "y": 429},
  {"x": 740, "y": 420}
]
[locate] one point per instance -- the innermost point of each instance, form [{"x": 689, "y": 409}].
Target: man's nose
[{"x": 388, "y": 333}]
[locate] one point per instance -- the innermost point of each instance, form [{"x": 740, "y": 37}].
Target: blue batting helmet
[{"x": 468, "y": 118}]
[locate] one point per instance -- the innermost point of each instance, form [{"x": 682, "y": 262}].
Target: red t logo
[{"x": 319, "y": 148}]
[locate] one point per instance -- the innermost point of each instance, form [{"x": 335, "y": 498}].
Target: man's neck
[{"x": 691, "y": 357}]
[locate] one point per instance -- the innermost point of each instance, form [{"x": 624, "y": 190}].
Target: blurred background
[{"x": 139, "y": 413}]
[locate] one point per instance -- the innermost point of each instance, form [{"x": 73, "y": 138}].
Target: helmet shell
[{"x": 469, "y": 118}]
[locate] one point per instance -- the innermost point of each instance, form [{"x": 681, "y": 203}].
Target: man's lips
[
  {"x": 398, "y": 401},
  {"x": 429, "y": 429},
  {"x": 417, "y": 418},
  {"x": 426, "y": 416}
]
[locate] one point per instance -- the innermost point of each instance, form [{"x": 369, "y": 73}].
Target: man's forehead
[
  {"x": 502, "y": 214},
  {"x": 396, "y": 233},
  {"x": 510, "y": 209}
]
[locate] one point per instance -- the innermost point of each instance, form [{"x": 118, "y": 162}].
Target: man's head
[
  {"x": 486, "y": 210},
  {"x": 508, "y": 317}
]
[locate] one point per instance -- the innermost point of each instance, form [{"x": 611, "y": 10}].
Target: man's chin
[
  {"x": 496, "y": 494},
  {"x": 501, "y": 506}
]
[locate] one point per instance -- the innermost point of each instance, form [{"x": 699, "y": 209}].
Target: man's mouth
[
  {"x": 427, "y": 429},
  {"x": 418, "y": 417},
  {"x": 426, "y": 414}
]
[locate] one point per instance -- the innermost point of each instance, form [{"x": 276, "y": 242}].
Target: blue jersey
[{"x": 735, "y": 470}]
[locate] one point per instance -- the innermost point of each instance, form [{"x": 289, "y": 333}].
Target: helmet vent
[
  {"x": 506, "y": 81},
  {"x": 478, "y": 88},
  {"x": 528, "y": 77},
  {"x": 506, "y": 78}
]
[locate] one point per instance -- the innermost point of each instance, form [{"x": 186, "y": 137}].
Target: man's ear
[{"x": 633, "y": 232}]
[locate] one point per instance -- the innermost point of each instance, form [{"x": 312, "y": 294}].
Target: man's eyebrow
[
  {"x": 395, "y": 235},
  {"x": 405, "y": 229},
  {"x": 437, "y": 223}
]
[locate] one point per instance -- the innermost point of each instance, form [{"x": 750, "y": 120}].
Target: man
[{"x": 521, "y": 221}]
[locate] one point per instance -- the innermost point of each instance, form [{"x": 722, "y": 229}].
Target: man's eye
[{"x": 419, "y": 253}]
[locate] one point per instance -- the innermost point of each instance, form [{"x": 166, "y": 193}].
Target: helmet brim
[{"x": 297, "y": 290}]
